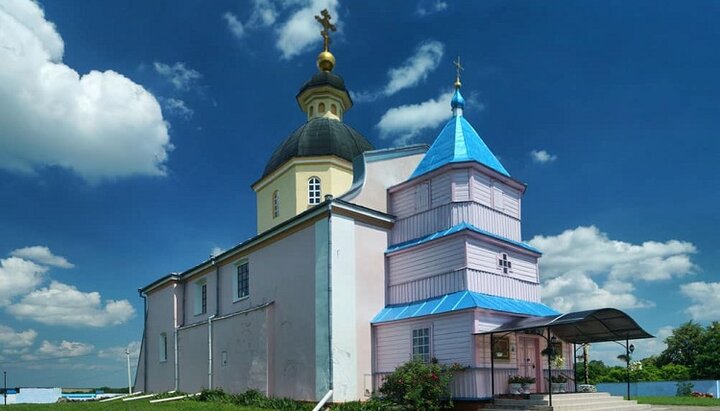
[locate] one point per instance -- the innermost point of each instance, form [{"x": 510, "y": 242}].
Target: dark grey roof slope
[
  {"x": 324, "y": 78},
  {"x": 317, "y": 137}
]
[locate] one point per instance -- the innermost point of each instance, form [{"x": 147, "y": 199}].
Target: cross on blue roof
[{"x": 458, "y": 142}]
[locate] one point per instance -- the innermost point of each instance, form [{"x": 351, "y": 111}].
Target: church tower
[{"x": 315, "y": 160}]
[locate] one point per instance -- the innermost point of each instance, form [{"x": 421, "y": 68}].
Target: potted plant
[
  {"x": 557, "y": 383},
  {"x": 515, "y": 383},
  {"x": 526, "y": 383}
]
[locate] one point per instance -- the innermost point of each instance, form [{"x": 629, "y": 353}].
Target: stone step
[
  {"x": 571, "y": 395},
  {"x": 600, "y": 401},
  {"x": 618, "y": 406}
]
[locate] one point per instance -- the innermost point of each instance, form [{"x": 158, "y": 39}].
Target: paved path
[{"x": 683, "y": 408}]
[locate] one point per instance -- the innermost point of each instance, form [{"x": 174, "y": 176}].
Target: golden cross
[
  {"x": 327, "y": 27},
  {"x": 458, "y": 67}
]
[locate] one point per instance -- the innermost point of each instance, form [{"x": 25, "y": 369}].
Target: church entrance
[{"x": 528, "y": 357}]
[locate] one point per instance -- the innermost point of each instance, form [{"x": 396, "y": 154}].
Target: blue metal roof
[
  {"x": 458, "y": 142},
  {"x": 461, "y": 300},
  {"x": 455, "y": 229}
]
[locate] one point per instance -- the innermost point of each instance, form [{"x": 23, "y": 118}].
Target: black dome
[
  {"x": 318, "y": 137},
  {"x": 324, "y": 78}
]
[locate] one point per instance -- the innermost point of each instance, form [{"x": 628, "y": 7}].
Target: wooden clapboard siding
[
  {"x": 461, "y": 185},
  {"x": 441, "y": 190},
  {"x": 502, "y": 285},
  {"x": 402, "y": 203},
  {"x": 448, "y": 215},
  {"x": 451, "y": 341},
  {"x": 425, "y": 261},
  {"x": 481, "y": 188},
  {"x": 484, "y": 257}
]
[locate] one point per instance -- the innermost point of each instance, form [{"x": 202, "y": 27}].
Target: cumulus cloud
[
  {"x": 17, "y": 277},
  {"x": 100, "y": 125},
  {"x": 300, "y": 30},
  {"x": 542, "y": 156},
  {"x": 177, "y": 107},
  {"x": 407, "y": 121},
  {"x": 216, "y": 251},
  {"x": 583, "y": 268},
  {"x": 234, "y": 25},
  {"x": 42, "y": 255},
  {"x": 588, "y": 250},
  {"x": 705, "y": 299},
  {"x": 577, "y": 291},
  {"x": 63, "y": 304},
  {"x": 64, "y": 349},
  {"x": 415, "y": 69},
  {"x": 11, "y": 339},
  {"x": 119, "y": 352},
  {"x": 181, "y": 77},
  {"x": 427, "y": 7}
]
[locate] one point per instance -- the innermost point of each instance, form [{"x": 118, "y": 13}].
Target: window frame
[
  {"x": 314, "y": 190},
  {"x": 200, "y": 303},
  {"x": 424, "y": 356},
  {"x": 236, "y": 282},
  {"x": 275, "y": 204},
  {"x": 162, "y": 347}
]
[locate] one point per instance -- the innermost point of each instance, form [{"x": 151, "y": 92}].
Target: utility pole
[{"x": 127, "y": 354}]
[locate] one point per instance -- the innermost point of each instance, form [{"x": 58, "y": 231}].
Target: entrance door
[{"x": 528, "y": 358}]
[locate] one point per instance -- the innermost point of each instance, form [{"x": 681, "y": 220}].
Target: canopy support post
[
  {"x": 550, "y": 353},
  {"x": 627, "y": 364},
  {"x": 575, "y": 366},
  {"x": 492, "y": 368}
]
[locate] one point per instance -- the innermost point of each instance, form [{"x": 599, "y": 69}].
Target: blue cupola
[{"x": 458, "y": 142}]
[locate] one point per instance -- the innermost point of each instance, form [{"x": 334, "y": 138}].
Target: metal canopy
[{"x": 580, "y": 327}]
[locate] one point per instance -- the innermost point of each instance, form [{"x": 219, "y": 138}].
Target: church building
[{"x": 364, "y": 259}]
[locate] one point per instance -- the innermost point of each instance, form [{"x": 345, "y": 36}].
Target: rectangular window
[
  {"x": 421, "y": 344},
  {"x": 200, "y": 297},
  {"x": 242, "y": 280},
  {"x": 162, "y": 345}
]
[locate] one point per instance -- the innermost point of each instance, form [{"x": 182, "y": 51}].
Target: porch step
[{"x": 599, "y": 401}]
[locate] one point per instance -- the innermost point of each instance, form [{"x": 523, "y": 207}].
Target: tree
[
  {"x": 707, "y": 360},
  {"x": 683, "y": 346}
]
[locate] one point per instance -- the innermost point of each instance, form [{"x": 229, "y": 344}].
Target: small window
[
  {"x": 321, "y": 108},
  {"x": 505, "y": 264},
  {"x": 312, "y": 111},
  {"x": 201, "y": 297},
  {"x": 501, "y": 348},
  {"x": 242, "y": 280},
  {"x": 333, "y": 109},
  {"x": 162, "y": 346},
  {"x": 421, "y": 344},
  {"x": 314, "y": 191},
  {"x": 275, "y": 204}
]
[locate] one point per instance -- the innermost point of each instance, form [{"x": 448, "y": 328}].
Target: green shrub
[
  {"x": 684, "y": 389},
  {"x": 373, "y": 404},
  {"x": 417, "y": 385}
]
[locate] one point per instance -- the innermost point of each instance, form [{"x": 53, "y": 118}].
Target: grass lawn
[
  {"x": 703, "y": 402},
  {"x": 119, "y": 405}
]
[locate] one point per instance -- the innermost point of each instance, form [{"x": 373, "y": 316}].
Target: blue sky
[{"x": 131, "y": 131}]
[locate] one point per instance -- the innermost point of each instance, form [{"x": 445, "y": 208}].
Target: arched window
[
  {"x": 333, "y": 109},
  {"x": 321, "y": 108},
  {"x": 312, "y": 111},
  {"x": 314, "y": 190},
  {"x": 275, "y": 204}
]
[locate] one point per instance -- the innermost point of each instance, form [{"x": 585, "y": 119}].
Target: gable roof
[{"x": 458, "y": 142}]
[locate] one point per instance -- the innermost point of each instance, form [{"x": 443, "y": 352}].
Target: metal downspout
[
  {"x": 145, "y": 354},
  {"x": 210, "y": 353},
  {"x": 492, "y": 369},
  {"x": 330, "y": 257}
]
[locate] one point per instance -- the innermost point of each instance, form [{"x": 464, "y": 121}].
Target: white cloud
[
  {"x": 63, "y": 304},
  {"x": 64, "y": 349},
  {"x": 234, "y": 25},
  {"x": 416, "y": 68},
  {"x": 17, "y": 277},
  {"x": 588, "y": 250},
  {"x": 405, "y": 122},
  {"x": 100, "y": 125},
  {"x": 542, "y": 156},
  {"x": 576, "y": 291},
  {"x": 705, "y": 299},
  {"x": 177, "y": 107},
  {"x": 43, "y": 255},
  {"x": 11, "y": 339},
  {"x": 426, "y": 7},
  {"x": 216, "y": 251},
  {"x": 264, "y": 14},
  {"x": 300, "y": 31},
  {"x": 181, "y": 77},
  {"x": 119, "y": 352}
]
